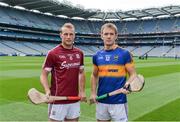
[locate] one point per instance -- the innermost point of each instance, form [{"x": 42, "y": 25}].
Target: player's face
[
  {"x": 108, "y": 36},
  {"x": 67, "y": 36}
]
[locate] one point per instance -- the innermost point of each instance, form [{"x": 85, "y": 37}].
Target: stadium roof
[{"x": 64, "y": 8}]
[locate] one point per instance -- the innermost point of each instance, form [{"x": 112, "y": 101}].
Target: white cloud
[{"x": 123, "y": 5}]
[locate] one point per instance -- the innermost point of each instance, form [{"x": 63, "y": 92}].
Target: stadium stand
[{"x": 24, "y": 32}]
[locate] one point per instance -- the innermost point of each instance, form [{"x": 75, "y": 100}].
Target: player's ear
[
  {"x": 116, "y": 36},
  {"x": 101, "y": 35},
  {"x": 60, "y": 34}
]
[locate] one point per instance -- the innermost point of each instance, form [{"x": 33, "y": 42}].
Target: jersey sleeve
[
  {"x": 94, "y": 60},
  {"x": 128, "y": 59},
  {"x": 48, "y": 62},
  {"x": 82, "y": 61}
]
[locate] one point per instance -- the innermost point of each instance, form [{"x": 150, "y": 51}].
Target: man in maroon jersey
[{"x": 66, "y": 64}]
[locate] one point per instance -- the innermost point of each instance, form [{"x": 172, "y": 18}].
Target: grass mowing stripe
[
  {"x": 157, "y": 92},
  {"x": 158, "y": 70},
  {"x": 17, "y": 86},
  {"x": 14, "y": 66},
  {"x": 156, "y": 64},
  {"x": 160, "y": 114},
  {"x": 19, "y": 111},
  {"x": 16, "y": 90},
  {"x": 27, "y": 112},
  {"x": 19, "y": 73},
  {"x": 88, "y": 110}
]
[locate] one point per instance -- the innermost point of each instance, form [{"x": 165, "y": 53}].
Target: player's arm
[
  {"x": 46, "y": 69},
  {"x": 82, "y": 82},
  {"x": 94, "y": 81},
  {"x": 132, "y": 74},
  {"x": 44, "y": 81},
  {"x": 130, "y": 68}
]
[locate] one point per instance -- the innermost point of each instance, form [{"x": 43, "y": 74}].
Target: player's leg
[
  {"x": 73, "y": 112},
  {"x": 103, "y": 120},
  {"x": 57, "y": 112},
  {"x": 71, "y": 120},
  {"x": 119, "y": 112},
  {"x": 52, "y": 120},
  {"x": 102, "y": 112}
]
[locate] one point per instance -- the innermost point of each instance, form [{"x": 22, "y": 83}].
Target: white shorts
[
  {"x": 115, "y": 112},
  {"x": 61, "y": 111}
]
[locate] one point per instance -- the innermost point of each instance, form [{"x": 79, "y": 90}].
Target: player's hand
[
  {"x": 126, "y": 85},
  {"x": 92, "y": 99},
  {"x": 48, "y": 93},
  {"x": 125, "y": 90},
  {"x": 83, "y": 97}
]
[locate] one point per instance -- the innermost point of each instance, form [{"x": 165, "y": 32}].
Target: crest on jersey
[
  {"x": 107, "y": 57},
  {"x": 70, "y": 56},
  {"x": 78, "y": 56},
  {"x": 116, "y": 57}
]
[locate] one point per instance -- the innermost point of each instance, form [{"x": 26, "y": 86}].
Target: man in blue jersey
[{"x": 111, "y": 66}]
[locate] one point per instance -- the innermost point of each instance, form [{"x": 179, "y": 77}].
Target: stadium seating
[{"x": 28, "y": 33}]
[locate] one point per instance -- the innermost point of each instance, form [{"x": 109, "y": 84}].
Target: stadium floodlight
[
  {"x": 48, "y": 14},
  {"x": 3, "y": 4},
  {"x": 62, "y": 16},
  {"x": 163, "y": 16},
  {"x": 35, "y": 11},
  {"x": 146, "y": 18},
  {"x": 177, "y": 15},
  {"x": 78, "y": 18},
  {"x": 19, "y": 7},
  {"x": 130, "y": 19},
  {"x": 94, "y": 19}
]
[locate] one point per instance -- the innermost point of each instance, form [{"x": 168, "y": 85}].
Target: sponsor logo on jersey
[
  {"x": 62, "y": 56},
  {"x": 100, "y": 57},
  {"x": 108, "y": 70},
  {"x": 66, "y": 65}
]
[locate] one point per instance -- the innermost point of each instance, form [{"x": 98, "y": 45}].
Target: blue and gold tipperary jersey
[{"x": 112, "y": 72}]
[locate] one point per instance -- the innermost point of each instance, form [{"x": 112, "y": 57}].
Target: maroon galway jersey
[{"x": 64, "y": 65}]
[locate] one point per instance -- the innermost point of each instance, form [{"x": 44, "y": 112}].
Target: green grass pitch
[{"x": 158, "y": 101}]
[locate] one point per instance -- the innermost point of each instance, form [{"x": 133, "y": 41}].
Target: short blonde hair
[
  {"x": 67, "y": 25},
  {"x": 109, "y": 25}
]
